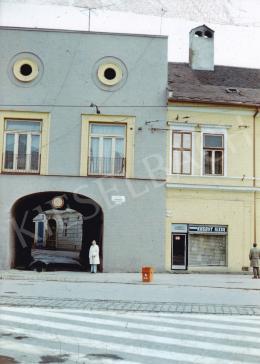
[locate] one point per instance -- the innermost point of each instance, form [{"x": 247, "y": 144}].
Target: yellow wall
[
  {"x": 217, "y": 208},
  {"x": 238, "y": 123}
]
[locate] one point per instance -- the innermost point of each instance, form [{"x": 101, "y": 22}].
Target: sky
[{"x": 236, "y": 22}]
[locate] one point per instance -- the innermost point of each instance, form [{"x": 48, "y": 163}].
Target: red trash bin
[{"x": 147, "y": 274}]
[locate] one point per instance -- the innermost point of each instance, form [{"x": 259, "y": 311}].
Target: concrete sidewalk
[{"x": 235, "y": 294}]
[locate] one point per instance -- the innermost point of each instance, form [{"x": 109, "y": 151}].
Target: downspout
[{"x": 254, "y": 167}]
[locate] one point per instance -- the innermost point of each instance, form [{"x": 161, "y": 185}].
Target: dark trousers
[
  {"x": 93, "y": 268},
  {"x": 256, "y": 272}
]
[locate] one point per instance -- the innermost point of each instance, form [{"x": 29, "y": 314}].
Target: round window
[
  {"x": 110, "y": 73},
  {"x": 25, "y": 70}
]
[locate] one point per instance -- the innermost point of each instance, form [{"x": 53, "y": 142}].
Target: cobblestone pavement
[{"x": 130, "y": 306}]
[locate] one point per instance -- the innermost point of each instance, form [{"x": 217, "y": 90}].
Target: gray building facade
[{"x": 81, "y": 126}]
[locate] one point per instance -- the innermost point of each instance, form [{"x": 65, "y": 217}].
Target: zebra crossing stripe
[
  {"x": 133, "y": 336},
  {"x": 212, "y": 317},
  {"x": 197, "y": 325},
  {"x": 157, "y": 316},
  {"x": 140, "y": 337},
  {"x": 129, "y": 349}
]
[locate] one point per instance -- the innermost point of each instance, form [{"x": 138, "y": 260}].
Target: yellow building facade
[
  {"x": 213, "y": 161},
  {"x": 213, "y": 186}
]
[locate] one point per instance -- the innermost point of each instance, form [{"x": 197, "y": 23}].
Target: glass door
[{"x": 179, "y": 242}]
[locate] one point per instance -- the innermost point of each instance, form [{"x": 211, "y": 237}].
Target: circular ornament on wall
[
  {"x": 109, "y": 73},
  {"x": 25, "y": 69},
  {"x": 57, "y": 202}
]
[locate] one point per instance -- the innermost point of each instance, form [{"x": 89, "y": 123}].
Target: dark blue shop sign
[{"x": 207, "y": 229}]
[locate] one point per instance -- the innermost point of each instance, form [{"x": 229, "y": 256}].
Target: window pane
[
  {"x": 107, "y": 156},
  {"x": 35, "y": 147},
  {"x": 94, "y": 148},
  {"x": 23, "y": 125},
  {"x": 208, "y": 162},
  {"x": 119, "y": 156},
  {"x": 176, "y": 161},
  {"x": 176, "y": 140},
  {"x": 94, "y": 156},
  {"x": 120, "y": 148},
  {"x": 108, "y": 130},
  {"x": 21, "y": 157},
  {"x": 187, "y": 141},
  {"x": 186, "y": 162},
  {"x": 9, "y": 152},
  {"x": 213, "y": 141},
  {"x": 219, "y": 162}
]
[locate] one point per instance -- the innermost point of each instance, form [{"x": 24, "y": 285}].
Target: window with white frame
[
  {"x": 107, "y": 147},
  {"x": 181, "y": 152},
  {"x": 213, "y": 154},
  {"x": 22, "y": 146}
]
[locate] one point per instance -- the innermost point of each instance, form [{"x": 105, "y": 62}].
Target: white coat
[{"x": 94, "y": 254}]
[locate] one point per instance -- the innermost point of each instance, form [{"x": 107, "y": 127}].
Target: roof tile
[{"x": 187, "y": 84}]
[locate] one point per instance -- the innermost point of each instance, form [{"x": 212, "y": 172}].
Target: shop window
[
  {"x": 181, "y": 152},
  {"x": 22, "y": 146},
  {"x": 107, "y": 149},
  {"x": 207, "y": 250},
  {"x": 213, "y": 154}
]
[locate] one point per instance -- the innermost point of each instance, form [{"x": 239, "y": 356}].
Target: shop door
[{"x": 179, "y": 251}]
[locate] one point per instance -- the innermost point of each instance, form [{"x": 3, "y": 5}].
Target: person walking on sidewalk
[
  {"x": 254, "y": 256},
  {"x": 94, "y": 256}
]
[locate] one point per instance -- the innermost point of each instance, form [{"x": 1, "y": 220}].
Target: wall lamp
[
  {"x": 151, "y": 121},
  {"x": 94, "y": 105}
]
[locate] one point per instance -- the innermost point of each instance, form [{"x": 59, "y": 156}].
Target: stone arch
[{"x": 26, "y": 208}]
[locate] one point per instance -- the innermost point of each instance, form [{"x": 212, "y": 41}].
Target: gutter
[
  {"x": 254, "y": 167},
  {"x": 182, "y": 186},
  {"x": 207, "y": 102}
]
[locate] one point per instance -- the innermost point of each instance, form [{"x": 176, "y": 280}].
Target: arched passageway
[{"x": 27, "y": 208}]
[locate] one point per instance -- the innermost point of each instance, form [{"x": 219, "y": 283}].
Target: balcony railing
[
  {"x": 106, "y": 166},
  {"x": 22, "y": 163}
]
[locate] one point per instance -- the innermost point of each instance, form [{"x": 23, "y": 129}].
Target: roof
[
  {"x": 228, "y": 85},
  {"x": 202, "y": 26},
  {"x": 54, "y": 30}
]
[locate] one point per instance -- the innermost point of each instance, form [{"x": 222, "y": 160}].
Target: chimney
[{"x": 201, "y": 52}]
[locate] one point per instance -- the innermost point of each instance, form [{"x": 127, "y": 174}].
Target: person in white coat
[{"x": 94, "y": 256}]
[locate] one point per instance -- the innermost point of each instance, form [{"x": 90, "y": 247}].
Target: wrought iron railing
[
  {"x": 106, "y": 166},
  {"x": 22, "y": 163}
]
